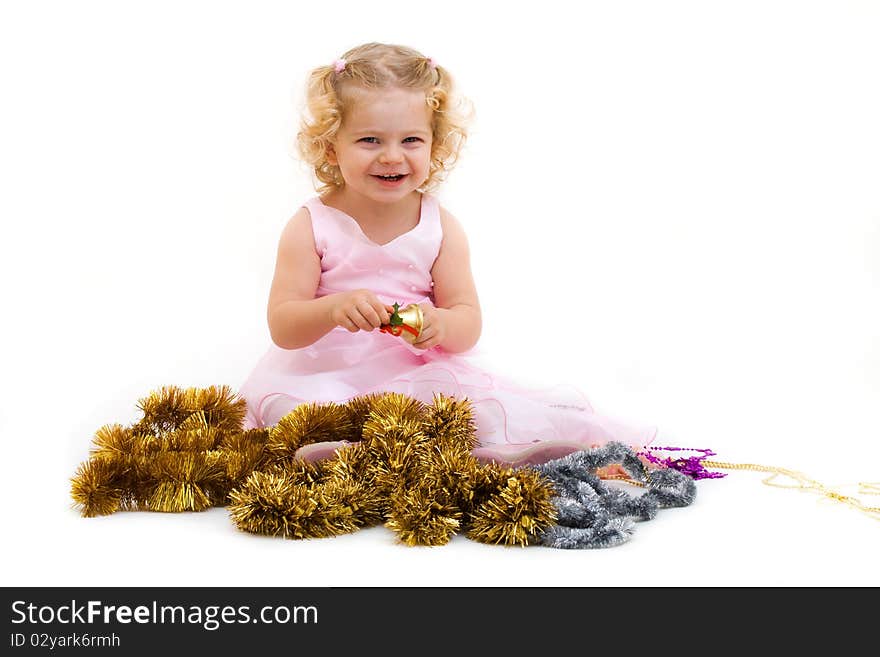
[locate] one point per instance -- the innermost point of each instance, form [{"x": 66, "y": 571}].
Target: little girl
[{"x": 381, "y": 131}]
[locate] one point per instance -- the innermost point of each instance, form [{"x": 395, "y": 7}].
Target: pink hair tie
[
  {"x": 431, "y": 63},
  {"x": 339, "y": 66}
]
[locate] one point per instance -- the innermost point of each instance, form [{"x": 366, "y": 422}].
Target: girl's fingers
[
  {"x": 425, "y": 339},
  {"x": 374, "y": 311},
  {"x": 359, "y": 320},
  {"x": 370, "y": 315}
]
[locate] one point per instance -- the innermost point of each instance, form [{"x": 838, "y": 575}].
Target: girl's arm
[
  {"x": 458, "y": 320},
  {"x": 296, "y": 318}
]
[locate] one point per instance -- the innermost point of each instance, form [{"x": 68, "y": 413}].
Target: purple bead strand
[{"x": 691, "y": 466}]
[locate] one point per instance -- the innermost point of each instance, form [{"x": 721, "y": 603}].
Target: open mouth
[{"x": 392, "y": 178}]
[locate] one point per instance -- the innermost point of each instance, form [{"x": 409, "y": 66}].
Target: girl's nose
[{"x": 391, "y": 154}]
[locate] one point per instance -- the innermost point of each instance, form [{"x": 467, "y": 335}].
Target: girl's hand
[
  {"x": 433, "y": 327},
  {"x": 358, "y": 310}
]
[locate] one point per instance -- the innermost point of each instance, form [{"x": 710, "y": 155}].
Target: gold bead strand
[{"x": 803, "y": 482}]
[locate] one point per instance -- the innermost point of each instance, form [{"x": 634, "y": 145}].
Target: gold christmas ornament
[{"x": 406, "y": 323}]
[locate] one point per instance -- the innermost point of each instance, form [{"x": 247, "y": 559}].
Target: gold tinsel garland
[
  {"x": 410, "y": 468},
  {"x": 185, "y": 454}
]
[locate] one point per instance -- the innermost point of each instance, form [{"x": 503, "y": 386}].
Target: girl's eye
[
  {"x": 414, "y": 139},
  {"x": 371, "y": 140}
]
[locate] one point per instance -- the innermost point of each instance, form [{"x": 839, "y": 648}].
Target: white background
[{"x": 672, "y": 205}]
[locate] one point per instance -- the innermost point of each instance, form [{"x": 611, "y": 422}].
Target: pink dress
[{"x": 515, "y": 424}]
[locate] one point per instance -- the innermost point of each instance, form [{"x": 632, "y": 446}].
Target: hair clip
[{"x": 339, "y": 65}]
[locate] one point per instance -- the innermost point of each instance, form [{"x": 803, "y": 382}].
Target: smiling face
[{"x": 383, "y": 148}]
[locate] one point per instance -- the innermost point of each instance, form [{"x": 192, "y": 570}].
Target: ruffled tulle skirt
[{"x": 515, "y": 424}]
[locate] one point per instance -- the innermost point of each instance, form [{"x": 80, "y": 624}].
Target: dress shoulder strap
[
  {"x": 322, "y": 223},
  {"x": 430, "y": 216}
]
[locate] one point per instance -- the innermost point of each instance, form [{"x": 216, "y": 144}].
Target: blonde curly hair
[{"x": 376, "y": 66}]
